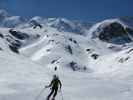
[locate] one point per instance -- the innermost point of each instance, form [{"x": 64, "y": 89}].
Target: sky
[{"x": 85, "y": 10}]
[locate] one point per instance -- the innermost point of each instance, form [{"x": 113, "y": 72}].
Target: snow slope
[{"x": 23, "y": 79}]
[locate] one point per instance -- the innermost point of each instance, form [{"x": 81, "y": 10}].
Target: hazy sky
[{"x": 86, "y": 10}]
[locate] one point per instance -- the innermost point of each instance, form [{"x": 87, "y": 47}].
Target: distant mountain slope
[
  {"x": 9, "y": 21},
  {"x": 112, "y": 30},
  {"x": 61, "y": 24}
]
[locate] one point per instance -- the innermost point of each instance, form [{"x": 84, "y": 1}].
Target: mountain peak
[
  {"x": 114, "y": 31},
  {"x": 3, "y": 14}
]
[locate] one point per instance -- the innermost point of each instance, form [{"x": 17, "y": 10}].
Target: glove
[{"x": 46, "y": 86}]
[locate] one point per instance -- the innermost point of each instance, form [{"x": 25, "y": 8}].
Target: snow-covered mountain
[
  {"x": 115, "y": 31},
  {"x": 61, "y": 24},
  {"x": 95, "y": 58},
  {"x": 55, "y": 41},
  {"x": 9, "y": 21}
]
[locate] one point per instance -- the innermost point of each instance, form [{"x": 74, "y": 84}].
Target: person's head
[{"x": 55, "y": 77}]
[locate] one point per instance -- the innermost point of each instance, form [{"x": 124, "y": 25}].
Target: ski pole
[
  {"x": 40, "y": 93},
  {"x": 62, "y": 95}
]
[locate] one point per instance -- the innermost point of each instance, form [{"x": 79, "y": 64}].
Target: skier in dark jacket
[{"x": 54, "y": 87}]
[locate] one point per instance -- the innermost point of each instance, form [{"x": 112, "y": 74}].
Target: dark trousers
[{"x": 54, "y": 92}]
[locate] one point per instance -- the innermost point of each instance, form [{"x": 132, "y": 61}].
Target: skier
[{"x": 54, "y": 87}]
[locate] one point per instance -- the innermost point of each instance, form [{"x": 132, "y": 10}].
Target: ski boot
[
  {"x": 47, "y": 98},
  {"x": 53, "y": 99}
]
